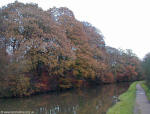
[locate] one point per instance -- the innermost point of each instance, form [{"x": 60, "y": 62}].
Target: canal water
[{"x": 93, "y": 100}]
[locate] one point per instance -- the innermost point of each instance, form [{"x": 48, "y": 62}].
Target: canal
[{"x": 93, "y": 100}]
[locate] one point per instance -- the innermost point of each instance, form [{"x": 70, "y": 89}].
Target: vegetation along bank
[{"x": 51, "y": 50}]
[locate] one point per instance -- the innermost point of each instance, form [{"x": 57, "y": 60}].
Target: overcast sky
[{"x": 124, "y": 23}]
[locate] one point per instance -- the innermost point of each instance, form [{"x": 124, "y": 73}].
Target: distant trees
[
  {"x": 48, "y": 50},
  {"x": 124, "y": 65},
  {"x": 146, "y": 68}
]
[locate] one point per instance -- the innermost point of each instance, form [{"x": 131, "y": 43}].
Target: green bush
[{"x": 147, "y": 90}]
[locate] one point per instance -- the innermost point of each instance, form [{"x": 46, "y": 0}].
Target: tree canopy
[{"x": 49, "y": 50}]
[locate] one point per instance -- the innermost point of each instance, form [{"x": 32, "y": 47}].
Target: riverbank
[{"x": 127, "y": 101}]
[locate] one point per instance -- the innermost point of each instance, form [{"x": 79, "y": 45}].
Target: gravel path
[{"x": 142, "y": 105}]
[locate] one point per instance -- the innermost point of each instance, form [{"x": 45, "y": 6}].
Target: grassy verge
[
  {"x": 126, "y": 103},
  {"x": 147, "y": 90}
]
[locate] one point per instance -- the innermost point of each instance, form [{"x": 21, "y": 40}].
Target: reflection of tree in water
[
  {"x": 103, "y": 100},
  {"x": 87, "y": 101}
]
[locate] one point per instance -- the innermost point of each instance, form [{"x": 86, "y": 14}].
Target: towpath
[{"x": 142, "y": 105}]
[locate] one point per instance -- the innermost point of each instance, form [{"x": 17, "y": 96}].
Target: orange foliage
[
  {"x": 57, "y": 51},
  {"x": 108, "y": 78}
]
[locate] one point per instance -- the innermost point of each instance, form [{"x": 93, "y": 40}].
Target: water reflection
[{"x": 95, "y": 100}]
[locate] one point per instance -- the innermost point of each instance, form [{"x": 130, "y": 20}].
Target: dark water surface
[{"x": 95, "y": 100}]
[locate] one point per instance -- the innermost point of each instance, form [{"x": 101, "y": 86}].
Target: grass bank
[
  {"x": 126, "y": 103},
  {"x": 147, "y": 90}
]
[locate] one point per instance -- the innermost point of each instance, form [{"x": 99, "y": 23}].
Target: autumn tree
[{"x": 50, "y": 50}]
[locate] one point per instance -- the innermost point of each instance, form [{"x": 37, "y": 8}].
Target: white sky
[{"x": 124, "y": 23}]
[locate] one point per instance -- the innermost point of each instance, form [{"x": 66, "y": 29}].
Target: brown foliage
[{"x": 51, "y": 49}]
